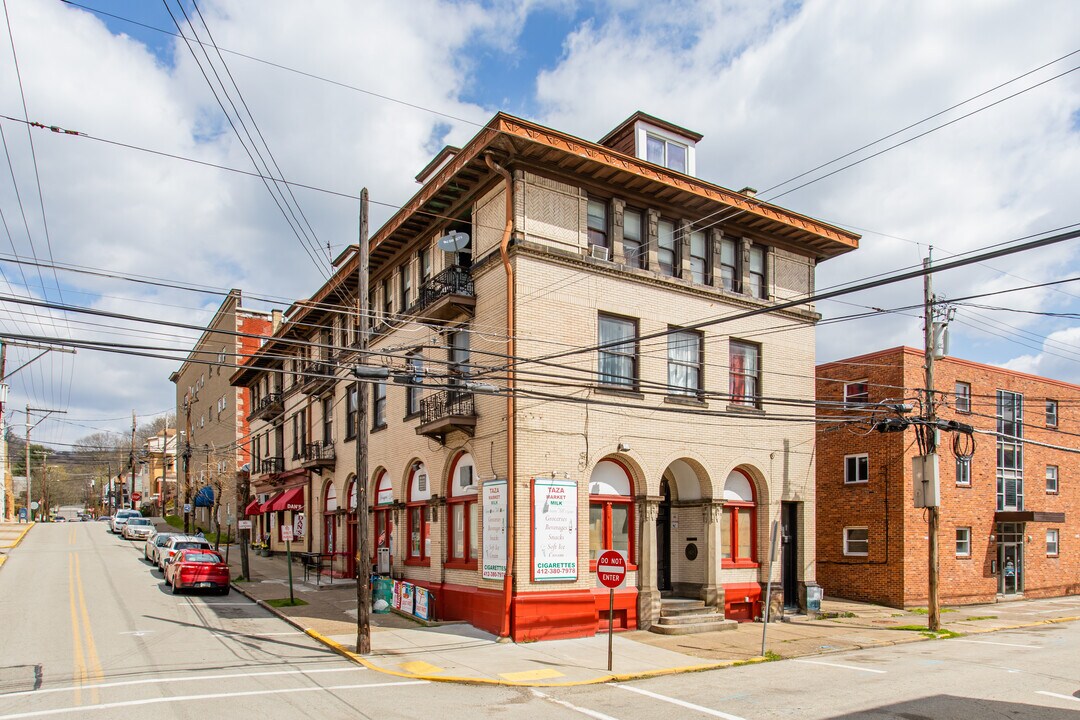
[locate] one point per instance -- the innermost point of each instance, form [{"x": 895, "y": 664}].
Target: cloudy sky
[{"x": 352, "y": 94}]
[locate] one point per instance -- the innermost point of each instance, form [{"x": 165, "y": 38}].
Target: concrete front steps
[{"x": 682, "y": 616}]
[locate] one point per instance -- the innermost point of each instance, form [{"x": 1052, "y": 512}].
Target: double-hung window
[
  {"x": 458, "y": 340},
  {"x": 406, "y": 287},
  {"x": 423, "y": 261},
  {"x": 328, "y": 420},
  {"x": 633, "y": 242},
  {"x": 856, "y": 468},
  {"x": 684, "y": 363},
  {"x": 1052, "y": 543},
  {"x": 598, "y": 223},
  {"x": 667, "y": 248},
  {"x": 962, "y": 395},
  {"x": 1051, "y": 413},
  {"x": 963, "y": 542},
  {"x": 744, "y": 373},
  {"x": 415, "y": 368},
  {"x": 1051, "y": 479},
  {"x": 388, "y": 300},
  {"x": 378, "y": 404},
  {"x": 618, "y": 351},
  {"x": 668, "y": 153},
  {"x": 757, "y": 288},
  {"x": 729, "y": 265},
  {"x": 351, "y": 412},
  {"x": 463, "y": 530},
  {"x": 856, "y": 541},
  {"x": 699, "y": 257}
]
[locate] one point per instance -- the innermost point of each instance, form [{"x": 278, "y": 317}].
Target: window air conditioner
[{"x": 598, "y": 252}]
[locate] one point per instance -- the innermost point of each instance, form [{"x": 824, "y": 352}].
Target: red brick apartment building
[{"x": 1010, "y": 515}]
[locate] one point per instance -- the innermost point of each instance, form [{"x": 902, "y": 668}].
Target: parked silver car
[
  {"x": 180, "y": 542},
  {"x": 137, "y": 528},
  {"x": 117, "y": 522},
  {"x": 153, "y": 546}
]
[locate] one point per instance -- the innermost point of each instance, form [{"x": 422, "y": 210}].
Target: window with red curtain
[
  {"x": 462, "y": 523},
  {"x": 744, "y": 371},
  {"x": 738, "y": 529},
  {"x": 418, "y": 526}
]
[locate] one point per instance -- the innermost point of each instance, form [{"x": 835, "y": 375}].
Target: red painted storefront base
[
  {"x": 550, "y": 615},
  {"x": 742, "y": 601}
]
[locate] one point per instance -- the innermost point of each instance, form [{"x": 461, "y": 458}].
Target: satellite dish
[{"x": 453, "y": 242}]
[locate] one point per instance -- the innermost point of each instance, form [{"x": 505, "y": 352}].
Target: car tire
[
  {"x": 175, "y": 590},
  {"x": 224, "y": 590}
]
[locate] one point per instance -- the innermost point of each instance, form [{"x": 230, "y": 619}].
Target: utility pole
[
  {"x": 187, "y": 463},
  {"x": 363, "y": 562},
  {"x": 29, "y": 427},
  {"x": 934, "y": 613},
  {"x": 6, "y": 509},
  {"x": 131, "y": 459}
]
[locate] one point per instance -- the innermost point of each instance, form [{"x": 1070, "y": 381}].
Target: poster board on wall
[
  {"x": 555, "y": 526},
  {"x": 493, "y": 498}
]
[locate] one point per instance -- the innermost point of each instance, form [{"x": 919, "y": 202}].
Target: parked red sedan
[{"x": 198, "y": 569}]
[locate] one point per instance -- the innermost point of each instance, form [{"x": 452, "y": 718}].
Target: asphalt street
[{"x": 90, "y": 630}]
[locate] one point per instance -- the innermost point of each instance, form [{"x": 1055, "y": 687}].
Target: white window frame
[
  {"x": 962, "y": 396},
  {"x": 856, "y": 481},
  {"x": 1053, "y": 546},
  {"x": 963, "y": 542},
  {"x": 963, "y": 472},
  {"x": 1051, "y": 413},
  {"x": 848, "y": 395},
  {"x": 847, "y": 541},
  {"x": 1052, "y": 470}
]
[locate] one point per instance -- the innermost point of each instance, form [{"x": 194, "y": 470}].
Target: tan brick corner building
[
  {"x": 1010, "y": 515},
  {"x": 571, "y": 279}
]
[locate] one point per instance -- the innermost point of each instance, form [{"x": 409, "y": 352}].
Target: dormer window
[{"x": 668, "y": 153}]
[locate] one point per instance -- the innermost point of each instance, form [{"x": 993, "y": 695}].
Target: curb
[
  {"x": 20, "y": 538},
  {"x": 614, "y": 677}
]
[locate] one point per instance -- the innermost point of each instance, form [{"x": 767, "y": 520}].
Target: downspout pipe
[{"x": 504, "y": 252}]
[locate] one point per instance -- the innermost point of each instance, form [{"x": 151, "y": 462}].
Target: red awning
[
  {"x": 266, "y": 506},
  {"x": 253, "y": 508},
  {"x": 289, "y": 500}
]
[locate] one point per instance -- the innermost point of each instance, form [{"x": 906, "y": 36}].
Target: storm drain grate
[{"x": 19, "y": 678}]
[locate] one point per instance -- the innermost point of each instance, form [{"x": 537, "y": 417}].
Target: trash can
[
  {"x": 813, "y": 597},
  {"x": 382, "y": 594}
]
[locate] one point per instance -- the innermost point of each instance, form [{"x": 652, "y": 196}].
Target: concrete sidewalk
[
  {"x": 458, "y": 652},
  {"x": 11, "y": 534}
]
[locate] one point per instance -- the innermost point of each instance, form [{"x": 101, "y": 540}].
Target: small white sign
[
  {"x": 187, "y": 507},
  {"x": 244, "y": 524},
  {"x": 286, "y": 533}
]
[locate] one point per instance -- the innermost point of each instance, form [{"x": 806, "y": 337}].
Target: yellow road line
[
  {"x": 91, "y": 648},
  {"x": 79, "y": 675}
]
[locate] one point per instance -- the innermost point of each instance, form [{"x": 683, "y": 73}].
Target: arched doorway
[
  {"x": 350, "y": 529},
  {"x": 383, "y": 516},
  {"x": 663, "y": 539}
]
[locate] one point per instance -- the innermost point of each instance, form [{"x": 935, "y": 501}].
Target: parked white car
[
  {"x": 153, "y": 546},
  {"x": 176, "y": 543},
  {"x": 137, "y": 528},
  {"x": 116, "y": 524}
]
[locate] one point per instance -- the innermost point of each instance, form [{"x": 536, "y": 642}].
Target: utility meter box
[
  {"x": 926, "y": 484},
  {"x": 382, "y": 558}
]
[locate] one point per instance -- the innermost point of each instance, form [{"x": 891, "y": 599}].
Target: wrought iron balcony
[
  {"x": 317, "y": 456},
  {"x": 271, "y": 466},
  {"x": 445, "y": 411},
  {"x": 318, "y": 377},
  {"x": 269, "y": 407},
  {"x": 446, "y": 296}
]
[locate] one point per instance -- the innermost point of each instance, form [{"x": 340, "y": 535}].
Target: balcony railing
[
  {"x": 270, "y": 466},
  {"x": 318, "y": 376},
  {"x": 268, "y": 407},
  {"x": 446, "y": 295},
  {"x": 318, "y": 455},
  {"x": 445, "y": 411}
]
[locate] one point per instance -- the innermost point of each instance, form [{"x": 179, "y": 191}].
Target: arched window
[
  {"x": 351, "y": 494},
  {"x": 384, "y": 520},
  {"x": 462, "y": 524},
  {"x": 611, "y": 510},
  {"x": 416, "y": 508},
  {"x": 738, "y": 527}
]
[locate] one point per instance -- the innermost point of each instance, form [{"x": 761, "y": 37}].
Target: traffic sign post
[
  {"x": 286, "y": 535},
  {"x": 611, "y": 573}
]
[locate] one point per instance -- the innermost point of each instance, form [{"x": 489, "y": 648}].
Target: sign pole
[
  {"x": 288, "y": 561},
  {"x": 610, "y": 624},
  {"x": 768, "y": 583}
]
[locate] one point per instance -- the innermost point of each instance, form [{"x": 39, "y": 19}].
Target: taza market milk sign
[{"x": 555, "y": 547}]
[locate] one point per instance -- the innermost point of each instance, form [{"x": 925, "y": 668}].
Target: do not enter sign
[{"x": 611, "y": 569}]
